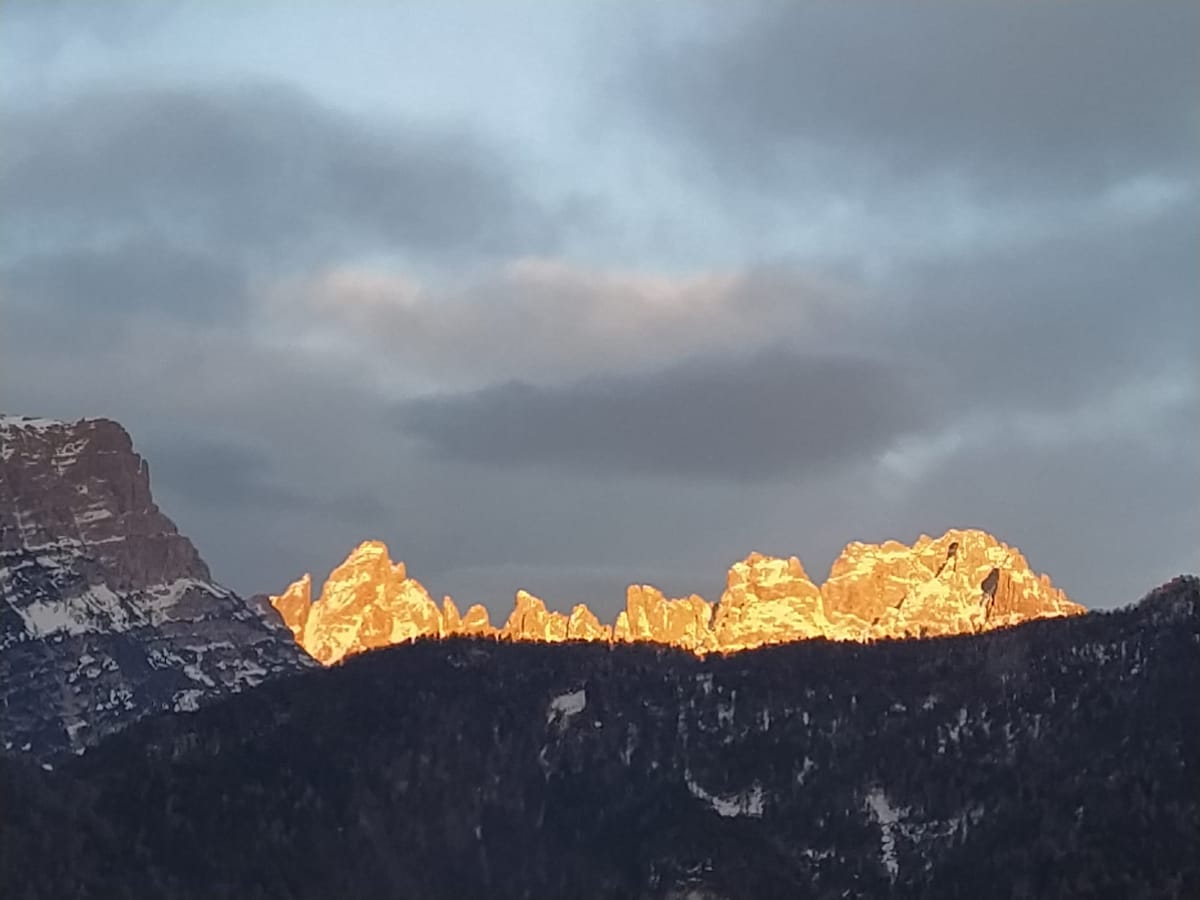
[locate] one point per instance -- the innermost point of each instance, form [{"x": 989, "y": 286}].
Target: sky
[{"x": 568, "y": 296}]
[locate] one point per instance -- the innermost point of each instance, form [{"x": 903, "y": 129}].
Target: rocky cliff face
[
  {"x": 966, "y": 581},
  {"x": 106, "y": 611},
  {"x": 961, "y": 582},
  {"x": 474, "y": 622},
  {"x": 368, "y": 602},
  {"x": 768, "y": 601},
  {"x": 649, "y": 616}
]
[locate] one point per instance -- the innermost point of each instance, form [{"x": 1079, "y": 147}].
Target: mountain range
[
  {"x": 966, "y": 581},
  {"x": 931, "y": 721}
]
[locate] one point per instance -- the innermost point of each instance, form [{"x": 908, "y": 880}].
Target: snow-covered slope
[{"x": 107, "y": 612}]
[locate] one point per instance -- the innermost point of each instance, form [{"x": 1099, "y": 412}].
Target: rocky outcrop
[
  {"x": 531, "y": 621},
  {"x": 70, "y": 485},
  {"x": 293, "y": 606},
  {"x": 649, "y": 616},
  {"x": 107, "y": 612},
  {"x": 451, "y": 619},
  {"x": 474, "y": 622},
  {"x": 768, "y": 601},
  {"x": 965, "y": 581},
  {"x": 366, "y": 602},
  {"x": 369, "y": 601}
]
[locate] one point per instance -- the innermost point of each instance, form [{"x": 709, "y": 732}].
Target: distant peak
[
  {"x": 93, "y": 569},
  {"x": 31, "y": 422},
  {"x": 369, "y": 549},
  {"x": 964, "y": 581},
  {"x": 40, "y": 423}
]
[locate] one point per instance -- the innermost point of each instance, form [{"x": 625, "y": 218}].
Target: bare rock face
[
  {"x": 964, "y": 581},
  {"x": 531, "y": 621},
  {"x": 293, "y": 605},
  {"x": 582, "y": 625},
  {"x": 650, "y": 616},
  {"x": 107, "y": 613},
  {"x": 366, "y": 602},
  {"x": 80, "y": 484},
  {"x": 451, "y": 620},
  {"x": 768, "y": 601},
  {"x": 474, "y": 622}
]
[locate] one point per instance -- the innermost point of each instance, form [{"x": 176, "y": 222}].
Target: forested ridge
[{"x": 1055, "y": 759}]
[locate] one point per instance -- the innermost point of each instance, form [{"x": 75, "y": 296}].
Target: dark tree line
[{"x": 1056, "y": 759}]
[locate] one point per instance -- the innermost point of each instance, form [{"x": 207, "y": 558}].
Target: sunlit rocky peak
[{"x": 962, "y": 582}]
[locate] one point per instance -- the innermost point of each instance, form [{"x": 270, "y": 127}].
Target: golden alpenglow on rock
[
  {"x": 649, "y": 616},
  {"x": 366, "y": 602},
  {"x": 768, "y": 601},
  {"x": 531, "y": 621},
  {"x": 963, "y": 582}
]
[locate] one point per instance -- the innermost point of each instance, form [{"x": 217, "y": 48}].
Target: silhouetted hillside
[{"x": 1056, "y": 759}]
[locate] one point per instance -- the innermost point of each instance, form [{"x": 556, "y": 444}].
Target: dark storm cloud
[
  {"x": 1033, "y": 96},
  {"x": 207, "y": 472},
  {"x": 252, "y": 169},
  {"x": 1041, "y": 326},
  {"x": 230, "y": 476},
  {"x": 126, "y": 280},
  {"x": 772, "y": 415},
  {"x": 1055, "y": 322}
]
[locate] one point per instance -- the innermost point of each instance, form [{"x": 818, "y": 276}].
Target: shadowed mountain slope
[{"x": 1054, "y": 759}]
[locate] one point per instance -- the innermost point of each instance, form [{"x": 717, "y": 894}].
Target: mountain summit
[
  {"x": 965, "y": 581},
  {"x": 107, "y": 612}
]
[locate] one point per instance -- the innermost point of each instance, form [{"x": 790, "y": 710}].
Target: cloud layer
[
  {"x": 774, "y": 414},
  {"x": 260, "y": 169},
  {"x": 765, "y": 277},
  {"x": 1046, "y": 97}
]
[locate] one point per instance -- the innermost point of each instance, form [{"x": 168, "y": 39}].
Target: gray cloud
[
  {"x": 1027, "y": 97},
  {"x": 1031, "y": 371},
  {"x": 231, "y": 476},
  {"x": 254, "y": 169},
  {"x": 113, "y": 283},
  {"x": 251, "y": 437},
  {"x": 1052, "y": 323},
  {"x": 252, "y": 449},
  {"x": 1046, "y": 319},
  {"x": 548, "y": 320},
  {"x": 1037, "y": 326},
  {"x": 771, "y": 415}
]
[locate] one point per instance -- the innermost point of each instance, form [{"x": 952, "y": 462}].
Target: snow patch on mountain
[
  {"x": 743, "y": 803},
  {"x": 564, "y": 706},
  {"x": 887, "y": 817}
]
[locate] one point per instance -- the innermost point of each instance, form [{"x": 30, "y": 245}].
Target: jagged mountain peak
[
  {"x": 107, "y": 612},
  {"x": 963, "y": 581}
]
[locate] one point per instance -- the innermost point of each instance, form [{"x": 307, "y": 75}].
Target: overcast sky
[{"x": 565, "y": 296}]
